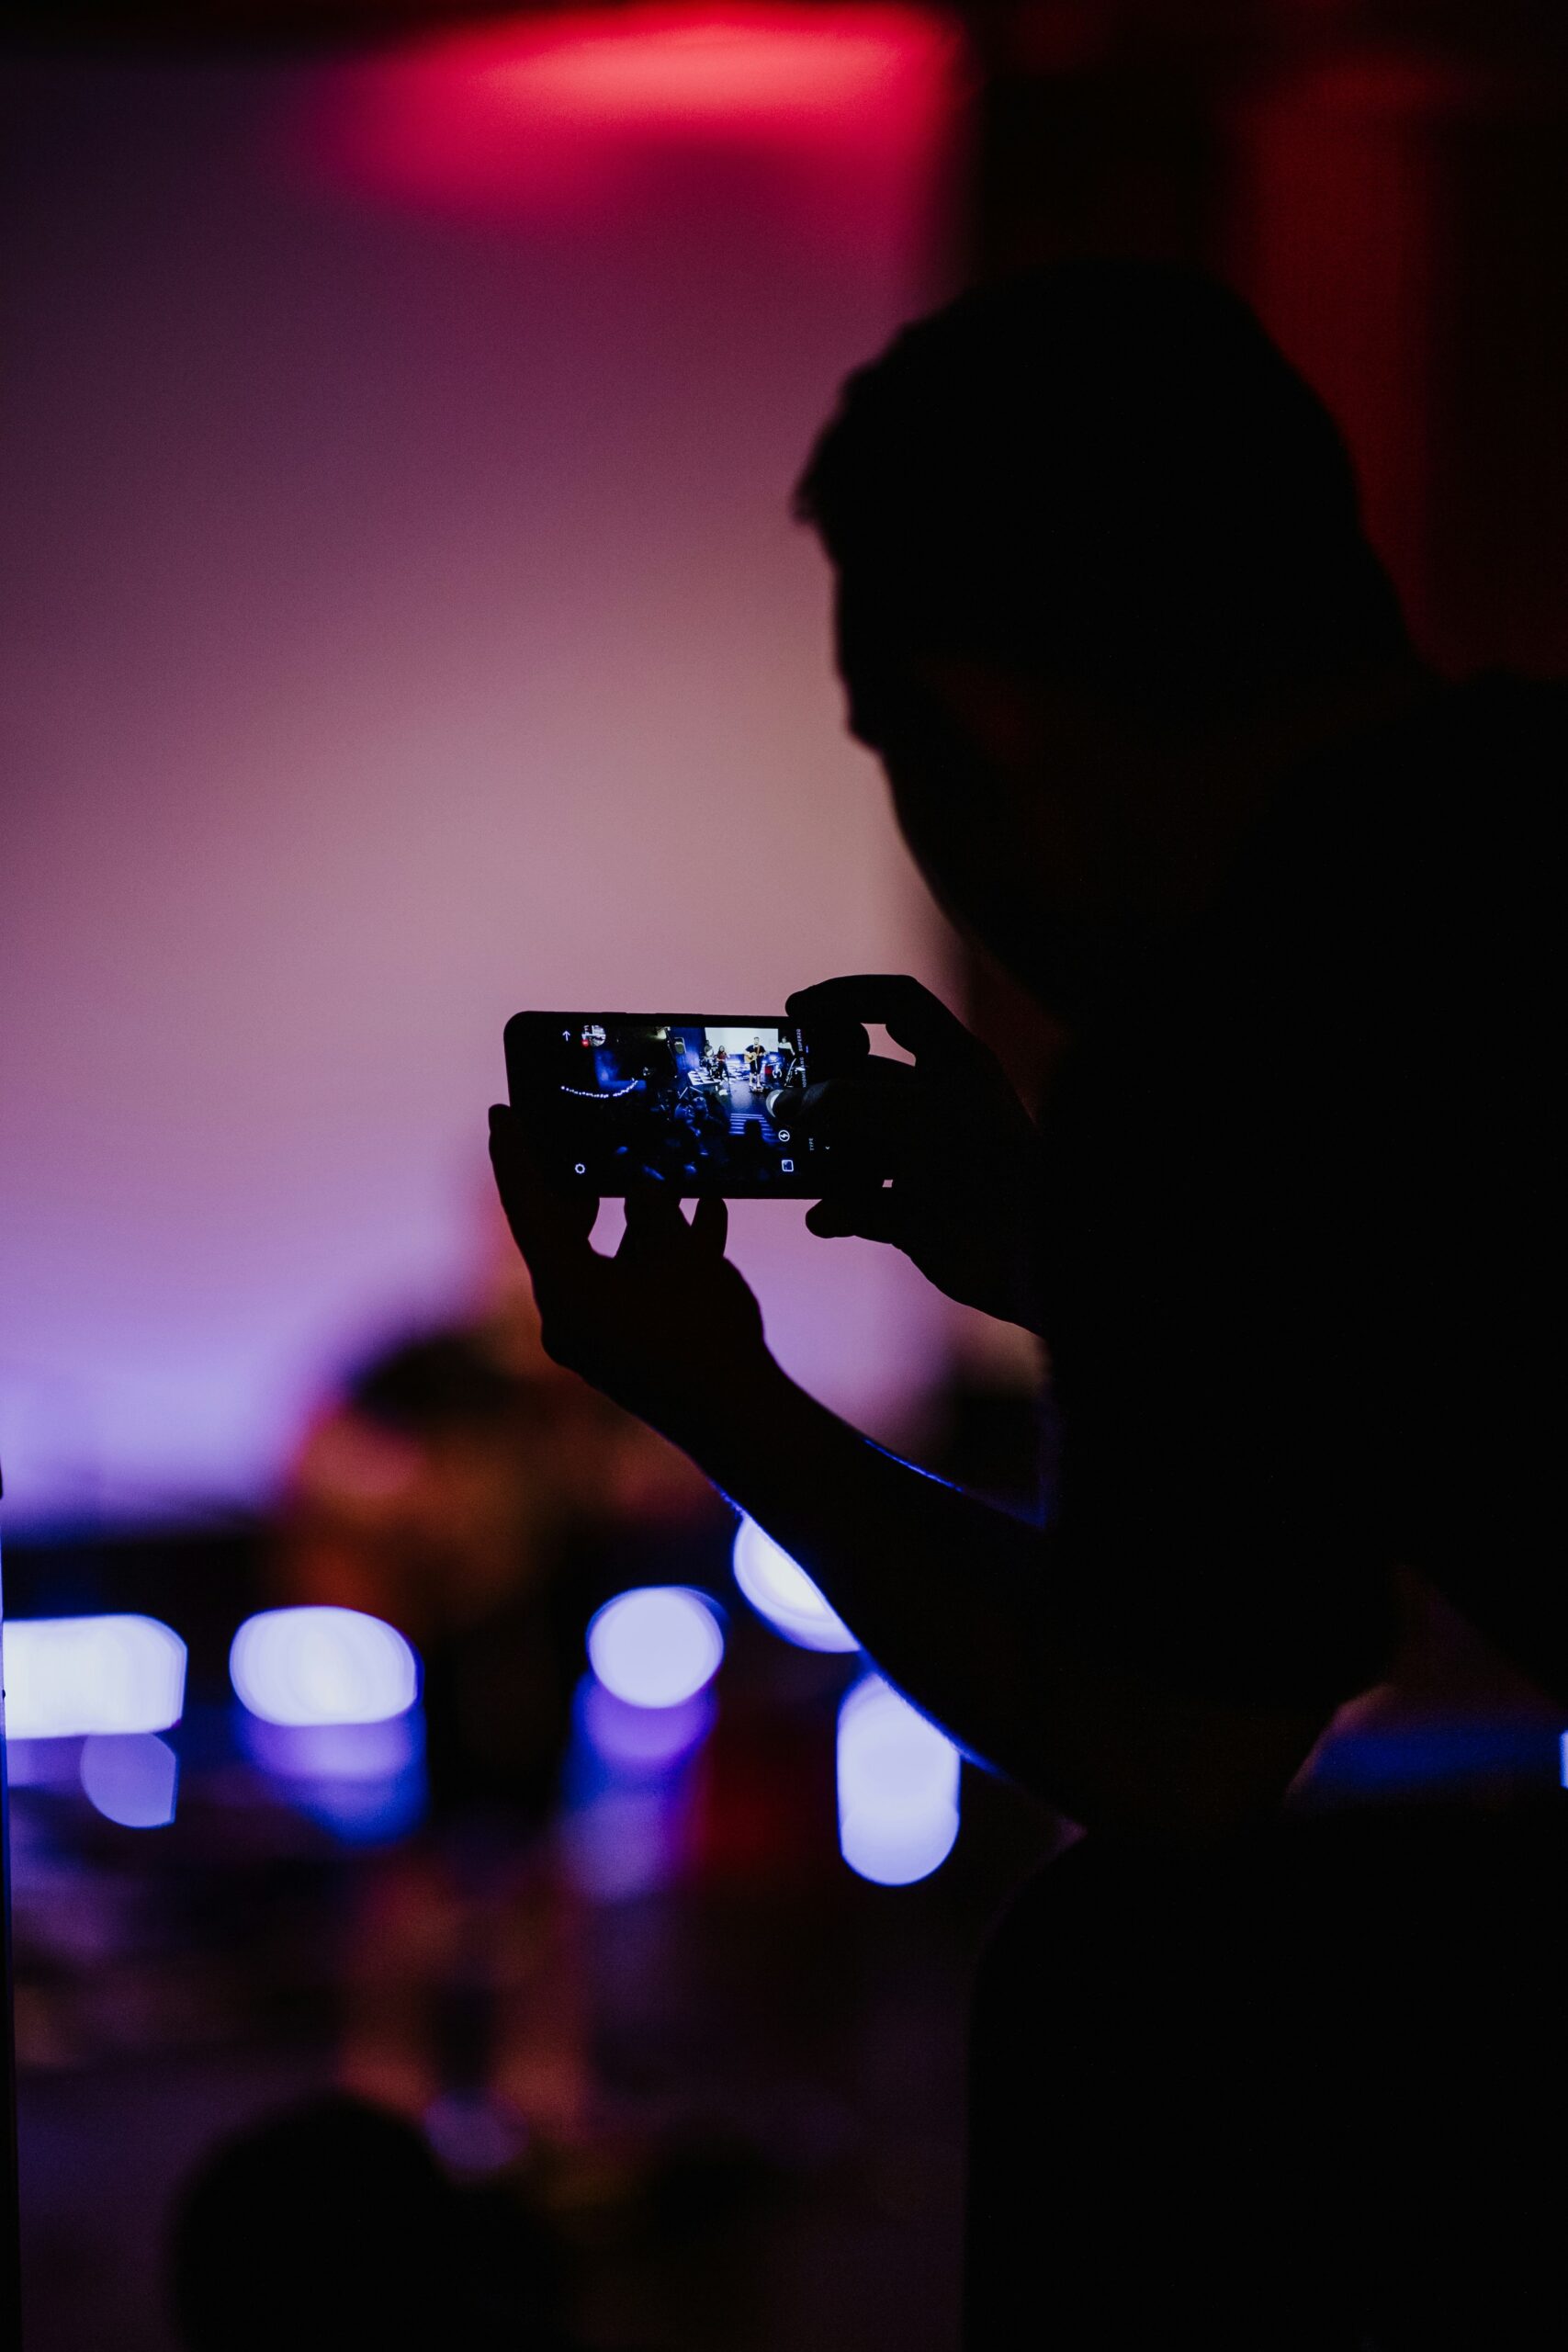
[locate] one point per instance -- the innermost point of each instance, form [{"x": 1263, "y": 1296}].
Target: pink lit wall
[{"x": 405, "y": 625}]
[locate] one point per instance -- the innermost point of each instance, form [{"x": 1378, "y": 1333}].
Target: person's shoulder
[
  {"x": 1429, "y": 836},
  {"x": 1471, "y": 863},
  {"x": 1466, "y": 777},
  {"x": 1499, "y": 752},
  {"x": 1513, "y": 690},
  {"x": 1529, "y": 712},
  {"x": 1493, "y": 721}
]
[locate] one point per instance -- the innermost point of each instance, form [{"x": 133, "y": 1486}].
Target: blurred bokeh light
[
  {"x": 560, "y": 119},
  {"x": 131, "y": 1778},
  {"x": 364, "y": 1782},
  {"x": 781, "y": 1592},
  {"x": 68, "y": 1676},
  {"x": 626, "y": 1827},
  {"x": 636, "y": 1740},
  {"x": 898, "y": 1781},
  {"x": 657, "y": 1646},
  {"x": 322, "y": 1666}
]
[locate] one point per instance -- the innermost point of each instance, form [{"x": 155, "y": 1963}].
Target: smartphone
[{"x": 702, "y": 1103}]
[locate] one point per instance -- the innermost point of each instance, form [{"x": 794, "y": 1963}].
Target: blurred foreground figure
[
  {"x": 1155, "y": 734},
  {"x": 332, "y": 2225},
  {"x": 475, "y": 1497}
]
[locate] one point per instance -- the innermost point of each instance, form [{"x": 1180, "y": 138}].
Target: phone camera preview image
[{"x": 615, "y": 1100}]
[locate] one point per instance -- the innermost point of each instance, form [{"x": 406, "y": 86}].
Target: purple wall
[{"x": 405, "y": 625}]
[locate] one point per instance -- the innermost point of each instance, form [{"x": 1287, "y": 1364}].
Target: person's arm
[{"x": 955, "y": 1603}]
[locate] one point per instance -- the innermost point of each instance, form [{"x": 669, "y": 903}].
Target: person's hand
[
  {"x": 667, "y": 1326},
  {"x": 965, "y": 1201}
]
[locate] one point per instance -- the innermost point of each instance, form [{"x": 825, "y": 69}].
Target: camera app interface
[{"x": 709, "y": 1108}]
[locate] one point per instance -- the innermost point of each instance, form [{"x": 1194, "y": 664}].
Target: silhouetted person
[
  {"x": 332, "y": 2225},
  {"x": 1157, "y": 736}
]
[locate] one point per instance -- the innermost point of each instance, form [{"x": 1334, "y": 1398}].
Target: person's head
[
  {"x": 1092, "y": 534},
  {"x": 330, "y": 2224}
]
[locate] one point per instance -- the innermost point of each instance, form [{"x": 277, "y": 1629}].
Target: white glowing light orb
[
  {"x": 783, "y": 1594},
  {"x": 322, "y": 1666},
  {"x": 899, "y": 1781},
  {"x": 131, "y": 1778},
  {"x": 68, "y": 1676},
  {"x": 655, "y": 1646},
  {"x": 896, "y": 1854}
]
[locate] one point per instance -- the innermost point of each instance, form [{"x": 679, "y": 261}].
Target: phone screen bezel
[{"x": 806, "y": 1185}]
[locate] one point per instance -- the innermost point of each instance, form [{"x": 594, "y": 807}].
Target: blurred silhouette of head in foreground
[
  {"x": 333, "y": 2225},
  {"x": 1101, "y": 576}
]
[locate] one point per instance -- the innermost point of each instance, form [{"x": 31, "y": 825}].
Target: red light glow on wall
[{"x": 562, "y": 117}]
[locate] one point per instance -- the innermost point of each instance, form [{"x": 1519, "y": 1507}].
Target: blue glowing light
[
  {"x": 627, "y": 1788},
  {"x": 43, "y": 1763},
  {"x": 130, "y": 1777},
  {"x": 655, "y": 1646},
  {"x": 367, "y": 1813},
  {"x": 375, "y": 1751},
  {"x": 639, "y": 1743},
  {"x": 474, "y": 2132},
  {"x": 783, "y": 1594},
  {"x": 322, "y": 1666},
  {"x": 68, "y": 1676},
  {"x": 899, "y": 1781},
  {"x": 626, "y": 1842},
  {"x": 365, "y": 1782}
]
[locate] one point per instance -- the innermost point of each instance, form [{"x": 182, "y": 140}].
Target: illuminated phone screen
[{"x": 616, "y": 1100}]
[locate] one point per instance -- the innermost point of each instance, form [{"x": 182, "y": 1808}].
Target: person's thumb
[{"x": 865, "y": 1216}]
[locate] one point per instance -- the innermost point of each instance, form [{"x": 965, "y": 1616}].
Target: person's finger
[
  {"x": 710, "y": 1224},
  {"x": 911, "y": 1015},
  {"x": 834, "y": 1039},
  {"x": 865, "y": 1217},
  {"x": 654, "y": 1219},
  {"x": 652, "y": 1201},
  {"x": 833, "y": 1044},
  {"x": 550, "y": 1227},
  {"x": 878, "y": 1111},
  {"x": 825, "y": 1000},
  {"x": 831, "y": 1220}
]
